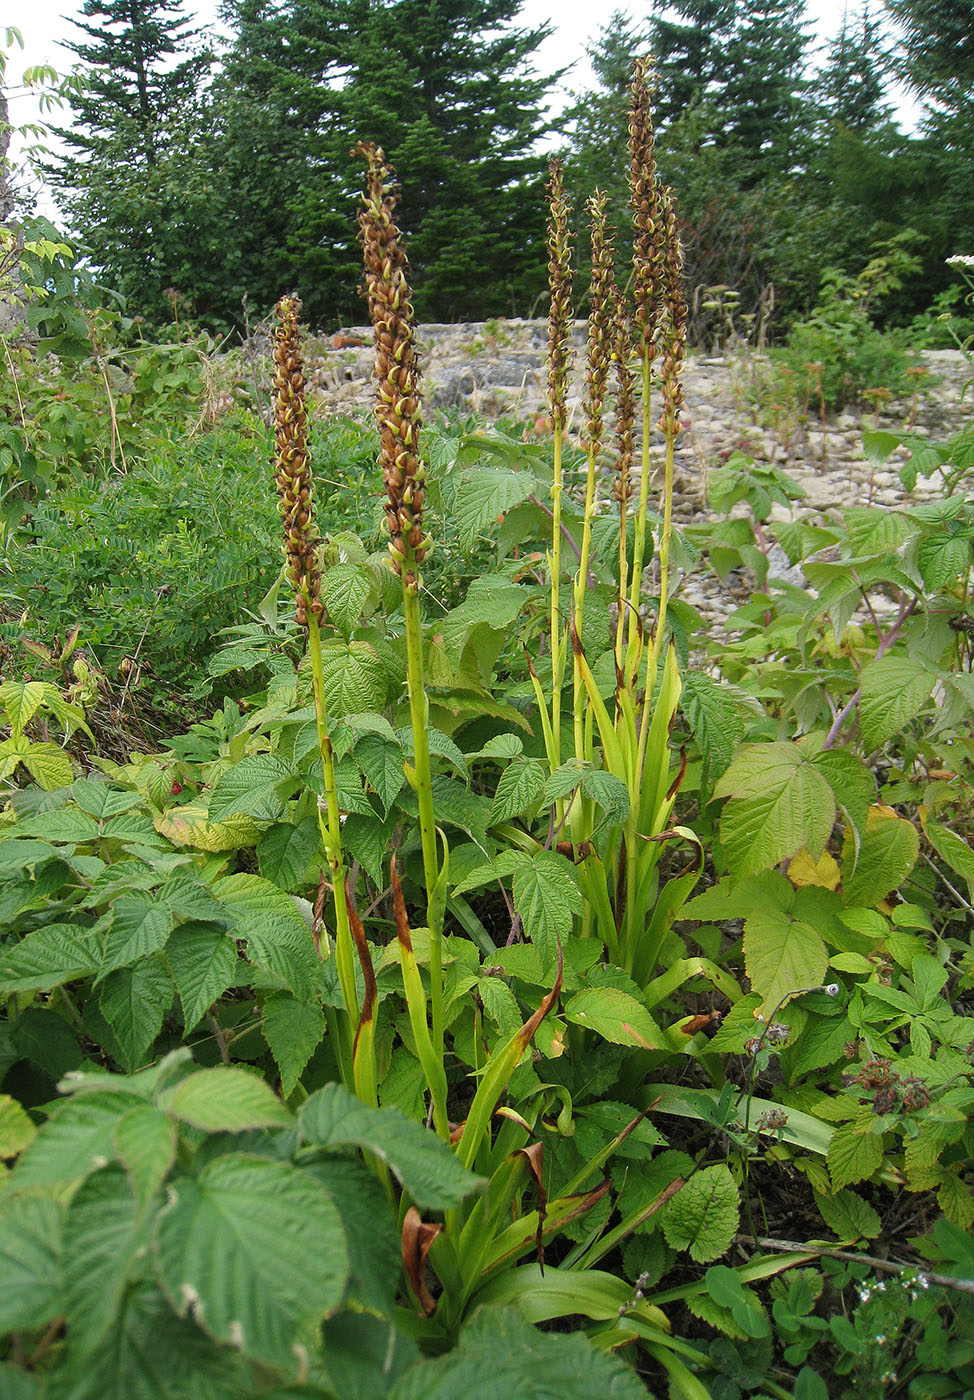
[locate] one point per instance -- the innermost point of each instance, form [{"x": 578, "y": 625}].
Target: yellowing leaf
[
  {"x": 804, "y": 870},
  {"x": 190, "y": 826}
]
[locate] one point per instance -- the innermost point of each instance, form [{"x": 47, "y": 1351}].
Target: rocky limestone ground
[{"x": 497, "y": 370}]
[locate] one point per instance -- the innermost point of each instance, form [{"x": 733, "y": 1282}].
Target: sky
[{"x": 44, "y": 23}]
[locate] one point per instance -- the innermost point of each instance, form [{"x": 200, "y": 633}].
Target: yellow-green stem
[
  {"x": 581, "y": 583},
  {"x": 423, "y": 785},
  {"x": 557, "y": 655},
  {"x": 639, "y": 547},
  {"x": 331, "y": 834}
]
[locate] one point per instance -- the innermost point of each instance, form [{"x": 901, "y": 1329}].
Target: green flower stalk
[
  {"x": 559, "y": 371},
  {"x": 598, "y": 359},
  {"x": 397, "y": 411},
  {"x": 648, "y": 252},
  {"x": 294, "y": 486},
  {"x": 625, "y": 417}
]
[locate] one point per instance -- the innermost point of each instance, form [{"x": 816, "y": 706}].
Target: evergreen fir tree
[
  {"x": 851, "y": 86},
  {"x": 123, "y": 184}
]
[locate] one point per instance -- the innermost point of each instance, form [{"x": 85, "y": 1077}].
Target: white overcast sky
[{"x": 45, "y": 23}]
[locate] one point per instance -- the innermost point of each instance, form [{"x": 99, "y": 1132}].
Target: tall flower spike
[
  {"x": 599, "y": 323},
  {"x": 397, "y": 408},
  {"x": 293, "y": 468},
  {"x": 646, "y": 202},
  {"x": 675, "y": 325},
  {"x": 625, "y": 401},
  {"x": 560, "y": 283}
]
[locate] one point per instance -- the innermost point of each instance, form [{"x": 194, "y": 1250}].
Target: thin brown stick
[{"x": 886, "y": 1266}]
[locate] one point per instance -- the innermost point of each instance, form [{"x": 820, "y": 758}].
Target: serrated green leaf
[
  {"x": 888, "y": 853},
  {"x": 853, "y": 785},
  {"x": 43, "y": 1036},
  {"x": 286, "y": 849},
  {"x": 782, "y": 954},
  {"x": 367, "y": 840},
  {"x": 202, "y": 960},
  {"x": 484, "y": 493},
  {"x": 49, "y": 766},
  {"x": 779, "y": 804},
  {"x": 547, "y": 897},
  {"x": 48, "y": 958},
  {"x": 66, "y": 825},
  {"x": 256, "y": 1249},
  {"x": 374, "y": 1243},
  {"x": 77, "y": 1138},
  {"x": 225, "y": 1100},
  {"x": 145, "y": 1141},
  {"x": 716, "y": 720},
  {"x": 293, "y": 1030},
  {"x": 430, "y": 1172},
  {"x": 703, "y": 1217},
  {"x": 20, "y": 701},
  {"x": 951, "y": 848},
  {"x": 492, "y": 602},
  {"x": 944, "y": 558},
  {"x": 30, "y": 1238},
  {"x": 16, "y": 1127},
  {"x": 139, "y": 926},
  {"x": 348, "y": 590},
  {"x": 250, "y": 787},
  {"x": 382, "y": 763},
  {"x": 133, "y": 1002},
  {"x": 849, "y": 1217},
  {"x": 103, "y": 1234},
  {"x": 518, "y": 788},
  {"x": 101, "y": 800},
  {"x": 519, "y": 1361},
  {"x": 616, "y": 1016},
  {"x": 278, "y": 939},
  {"x": 875, "y": 529},
  {"x": 894, "y": 690},
  {"x": 353, "y": 676},
  {"x": 853, "y": 1156}
]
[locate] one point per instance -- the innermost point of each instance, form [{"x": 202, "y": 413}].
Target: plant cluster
[{"x": 539, "y": 960}]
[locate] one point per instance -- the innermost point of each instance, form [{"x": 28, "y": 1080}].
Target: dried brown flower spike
[
  {"x": 293, "y": 468},
  {"x": 599, "y": 323},
  {"x": 646, "y": 202},
  {"x": 675, "y": 325},
  {"x": 396, "y": 370},
  {"x": 560, "y": 283},
  {"x": 625, "y": 401}
]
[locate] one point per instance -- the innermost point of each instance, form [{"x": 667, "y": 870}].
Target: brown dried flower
[
  {"x": 293, "y": 468},
  {"x": 560, "y": 283},
  {"x": 625, "y": 400},
  {"x": 599, "y": 323},
  {"x": 674, "y": 334},
  {"x": 397, "y": 407},
  {"x": 646, "y": 201}
]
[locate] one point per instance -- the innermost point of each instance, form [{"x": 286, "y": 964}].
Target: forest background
[{"x": 196, "y": 172}]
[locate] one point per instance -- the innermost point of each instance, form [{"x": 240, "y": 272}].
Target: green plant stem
[
  {"x": 664, "y": 547},
  {"x": 423, "y": 786},
  {"x": 331, "y": 834},
  {"x": 639, "y": 546},
  {"x": 557, "y": 653},
  {"x": 581, "y": 583}
]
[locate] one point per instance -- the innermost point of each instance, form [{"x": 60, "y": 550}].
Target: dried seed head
[
  {"x": 397, "y": 406},
  {"x": 645, "y": 199},
  {"x": 560, "y": 283},
  {"x": 625, "y": 400},
  {"x": 599, "y": 323},
  {"x": 675, "y": 324},
  {"x": 293, "y": 468}
]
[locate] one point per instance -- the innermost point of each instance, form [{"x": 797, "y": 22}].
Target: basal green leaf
[
  {"x": 430, "y": 1172},
  {"x": 48, "y": 958},
  {"x": 293, "y": 1030},
  {"x": 250, "y": 786},
  {"x": 780, "y": 803},
  {"x": 894, "y": 690},
  {"x": 139, "y": 926},
  {"x": 888, "y": 853},
  {"x": 703, "y": 1217},
  {"x": 255, "y": 1248},
  {"x": 30, "y": 1237},
  {"x": 202, "y": 959},
  {"x": 225, "y": 1100},
  {"x": 133, "y": 1002},
  {"x": 616, "y": 1016},
  {"x": 518, "y": 788}
]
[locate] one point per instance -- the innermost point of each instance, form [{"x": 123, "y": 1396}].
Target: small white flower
[{"x": 961, "y": 260}]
